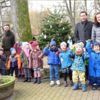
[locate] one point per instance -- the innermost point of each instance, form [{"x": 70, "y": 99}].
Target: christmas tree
[{"x": 54, "y": 27}]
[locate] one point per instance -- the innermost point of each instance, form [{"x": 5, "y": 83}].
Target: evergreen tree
[{"x": 54, "y": 27}]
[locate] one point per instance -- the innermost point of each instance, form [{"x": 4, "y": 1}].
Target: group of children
[{"x": 28, "y": 57}]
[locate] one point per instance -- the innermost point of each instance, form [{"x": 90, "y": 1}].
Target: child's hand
[
  {"x": 18, "y": 67},
  {"x": 84, "y": 49},
  {"x": 48, "y": 45}
]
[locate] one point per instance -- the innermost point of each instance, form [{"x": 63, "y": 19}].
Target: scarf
[
  {"x": 54, "y": 50},
  {"x": 7, "y": 33},
  {"x": 26, "y": 53}
]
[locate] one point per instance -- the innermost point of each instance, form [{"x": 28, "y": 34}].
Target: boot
[
  {"x": 83, "y": 87},
  {"x": 58, "y": 83},
  {"x": 93, "y": 87},
  {"x": 75, "y": 87},
  {"x": 25, "y": 80},
  {"x": 29, "y": 79},
  {"x": 35, "y": 80},
  {"x": 19, "y": 76},
  {"x": 52, "y": 83},
  {"x": 39, "y": 80},
  {"x": 98, "y": 87},
  {"x": 65, "y": 83},
  {"x": 22, "y": 76},
  {"x": 71, "y": 83}
]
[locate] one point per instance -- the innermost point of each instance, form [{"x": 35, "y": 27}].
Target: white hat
[
  {"x": 24, "y": 44},
  {"x": 63, "y": 43}
]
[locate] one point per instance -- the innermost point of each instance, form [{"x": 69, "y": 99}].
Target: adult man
[
  {"x": 83, "y": 29},
  {"x": 8, "y": 42}
]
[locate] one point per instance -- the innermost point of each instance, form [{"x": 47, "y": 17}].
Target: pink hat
[{"x": 34, "y": 44}]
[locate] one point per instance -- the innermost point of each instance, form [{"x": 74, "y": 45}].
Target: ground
[{"x": 43, "y": 91}]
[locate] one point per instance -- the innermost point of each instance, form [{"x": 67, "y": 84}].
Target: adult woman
[{"x": 96, "y": 28}]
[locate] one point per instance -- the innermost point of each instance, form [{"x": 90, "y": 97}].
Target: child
[
  {"x": 53, "y": 61},
  {"x": 24, "y": 56},
  {"x": 94, "y": 65},
  {"x": 18, "y": 50},
  {"x": 14, "y": 62},
  {"x": 66, "y": 63},
  {"x": 35, "y": 61},
  {"x": 2, "y": 61},
  {"x": 78, "y": 66}
]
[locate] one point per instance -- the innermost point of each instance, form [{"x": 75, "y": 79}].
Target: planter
[{"x": 6, "y": 89}]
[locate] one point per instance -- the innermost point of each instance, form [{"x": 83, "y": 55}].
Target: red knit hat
[{"x": 34, "y": 44}]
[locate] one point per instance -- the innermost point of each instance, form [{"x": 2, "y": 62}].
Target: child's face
[
  {"x": 96, "y": 48},
  {"x": 38, "y": 47},
  {"x": 63, "y": 47},
  {"x": 27, "y": 47},
  {"x": 53, "y": 46},
  {"x": 79, "y": 49},
  {"x": 13, "y": 52},
  {"x": 1, "y": 52},
  {"x": 82, "y": 44}
]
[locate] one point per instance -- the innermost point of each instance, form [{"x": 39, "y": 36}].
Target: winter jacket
[
  {"x": 14, "y": 61},
  {"x": 94, "y": 65},
  {"x": 24, "y": 59},
  {"x": 2, "y": 61},
  {"x": 65, "y": 60},
  {"x": 18, "y": 50},
  {"x": 35, "y": 59},
  {"x": 8, "y": 41},
  {"x": 53, "y": 58},
  {"x": 78, "y": 63}
]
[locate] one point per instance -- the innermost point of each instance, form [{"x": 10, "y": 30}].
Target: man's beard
[{"x": 7, "y": 33}]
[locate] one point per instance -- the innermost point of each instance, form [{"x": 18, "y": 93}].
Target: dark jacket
[
  {"x": 81, "y": 33},
  {"x": 2, "y": 61},
  {"x": 8, "y": 41}
]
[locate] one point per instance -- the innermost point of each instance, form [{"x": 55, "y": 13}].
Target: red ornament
[{"x": 41, "y": 28}]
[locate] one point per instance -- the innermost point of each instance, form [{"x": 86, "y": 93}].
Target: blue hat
[
  {"x": 11, "y": 49},
  {"x": 52, "y": 43},
  {"x": 20, "y": 43},
  {"x": 96, "y": 43},
  {"x": 81, "y": 41}
]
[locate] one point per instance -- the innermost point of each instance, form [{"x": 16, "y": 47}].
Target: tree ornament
[
  {"x": 59, "y": 25},
  {"x": 55, "y": 11},
  {"x": 63, "y": 28},
  {"x": 52, "y": 39},
  {"x": 41, "y": 28},
  {"x": 50, "y": 26},
  {"x": 45, "y": 36},
  {"x": 42, "y": 33},
  {"x": 48, "y": 21},
  {"x": 43, "y": 19}
]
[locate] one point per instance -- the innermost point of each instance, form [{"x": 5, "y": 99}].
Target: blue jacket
[
  {"x": 94, "y": 65},
  {"x": 53, "y": 58},
  {"x": 65, "y": 60},
  {"x": 78, "y": 63}
]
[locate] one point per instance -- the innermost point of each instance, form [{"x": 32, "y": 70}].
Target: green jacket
[{"x": 24, "y": 59}]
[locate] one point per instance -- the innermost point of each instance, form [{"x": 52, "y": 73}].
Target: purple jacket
[{"x": 18, "y": 50}]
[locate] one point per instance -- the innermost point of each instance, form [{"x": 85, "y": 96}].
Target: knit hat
[
  {"x": 81, "y": 41},
  {"x": 11, "y": 49},
  {"x": 52, "y": 43},
  {"x": 63, "y": 43},
  {"x": 34, "y": 44},
  {"x": 25, "y": 44},
  {"x": 1, "y": 49},
  {"x": 20, "y": 43},
  {"x": 96, "y": 43},
  {"x": 78, "y": 44}
]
